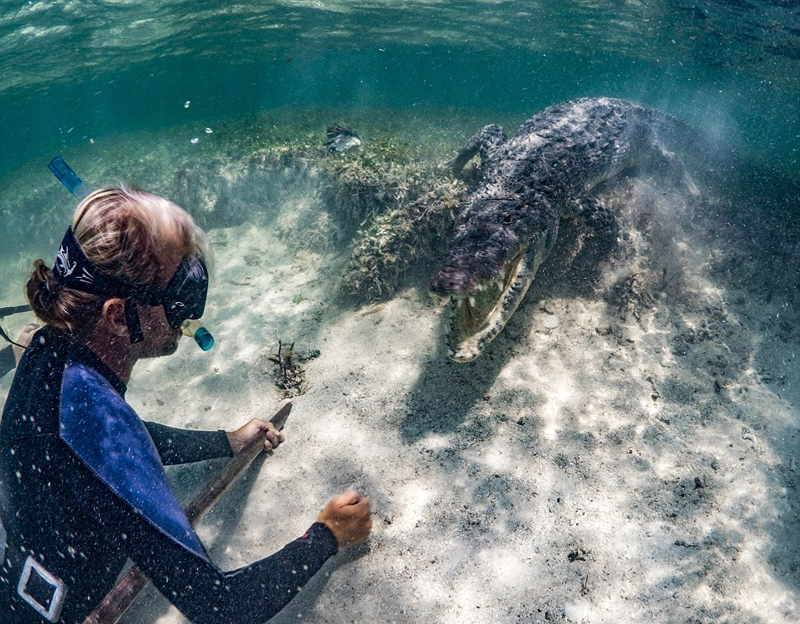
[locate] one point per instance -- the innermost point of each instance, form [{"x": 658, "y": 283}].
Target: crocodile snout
[{"x": 452, "y": 281}]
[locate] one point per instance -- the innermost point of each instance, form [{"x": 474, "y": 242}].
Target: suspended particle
[
  {"x": 187, "y": 104},
  {"x": 194, "y": 140}
]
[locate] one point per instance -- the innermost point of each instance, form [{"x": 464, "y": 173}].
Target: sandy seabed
[{"x": 625, "y": 454}]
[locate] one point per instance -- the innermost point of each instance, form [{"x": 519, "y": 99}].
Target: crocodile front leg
[
  {"x": 596, "y": 216},
  {"x": 486, "y": 141}
]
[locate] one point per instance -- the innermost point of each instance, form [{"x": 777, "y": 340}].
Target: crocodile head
[{"x": 498, "y": 248}]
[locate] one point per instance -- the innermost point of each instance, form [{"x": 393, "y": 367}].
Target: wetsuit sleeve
[
  {"x": 7, "y": 361},
  {"x": 183, "y": 446},
  {"x": 249, "y": 595}
]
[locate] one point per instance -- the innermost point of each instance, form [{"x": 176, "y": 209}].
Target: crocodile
[{"x": 508, "y": 225}]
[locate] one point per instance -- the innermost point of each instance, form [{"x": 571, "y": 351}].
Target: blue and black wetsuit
[{"x": 83, "y": 489}]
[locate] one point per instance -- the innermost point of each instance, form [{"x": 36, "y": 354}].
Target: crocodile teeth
[{"x": 472, "y": 301}]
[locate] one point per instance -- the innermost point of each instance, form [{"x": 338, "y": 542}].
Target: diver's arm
[
  {"x": 205, "y": 594},
  {"x": 249, "y": 595},
  {"x": 183, "y": 446}
]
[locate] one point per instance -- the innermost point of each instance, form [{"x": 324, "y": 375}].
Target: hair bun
[{"x": 42, "y": 292}]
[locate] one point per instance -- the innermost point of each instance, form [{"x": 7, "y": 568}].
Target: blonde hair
[{"x": 127, "y": 233}]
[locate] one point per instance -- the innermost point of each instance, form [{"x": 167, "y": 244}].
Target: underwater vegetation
[{"x": 406, "y": 211}]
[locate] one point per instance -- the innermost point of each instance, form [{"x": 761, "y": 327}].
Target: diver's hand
[
  {"x": 24, "y": 338},
  {"x": 349, "y": 518},
  {"x": 238, "y": 439}
]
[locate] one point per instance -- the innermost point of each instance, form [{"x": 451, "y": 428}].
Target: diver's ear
[{"x": 113, "y": 317}]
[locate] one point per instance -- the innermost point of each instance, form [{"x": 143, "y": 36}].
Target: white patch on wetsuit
[{"x": 53, "y": 613}]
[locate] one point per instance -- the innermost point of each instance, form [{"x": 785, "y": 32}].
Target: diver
[{"x": 82, "y": 482}]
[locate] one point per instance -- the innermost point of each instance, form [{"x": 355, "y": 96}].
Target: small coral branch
[{"x": 290, "y": 376}]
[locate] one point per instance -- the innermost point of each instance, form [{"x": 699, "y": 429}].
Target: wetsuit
[{"x": 82, "y": 489}]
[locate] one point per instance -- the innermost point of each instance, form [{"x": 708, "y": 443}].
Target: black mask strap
[{"x": 132, "y": 319}]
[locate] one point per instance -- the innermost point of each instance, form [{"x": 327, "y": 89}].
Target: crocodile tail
[
  {"x": 716, "y": 161},
  {"x": 692, "y": 144}
]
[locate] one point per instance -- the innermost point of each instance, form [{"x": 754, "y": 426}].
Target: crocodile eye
[{"x": 508, "y": 220}]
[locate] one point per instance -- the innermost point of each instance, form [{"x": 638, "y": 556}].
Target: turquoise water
[
  {"x": 562, "y": 465},
  {"x": 74, "y": 71}
]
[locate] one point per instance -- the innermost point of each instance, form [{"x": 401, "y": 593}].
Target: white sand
[{"x": 585, "y": 469}]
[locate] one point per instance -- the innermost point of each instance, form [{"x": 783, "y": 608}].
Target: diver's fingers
[{"x": 274, "y": 436}]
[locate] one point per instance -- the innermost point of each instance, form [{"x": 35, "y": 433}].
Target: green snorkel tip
[{"x": 201, "y": 335}]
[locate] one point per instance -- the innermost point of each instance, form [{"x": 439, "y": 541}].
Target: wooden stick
[
  {"x": 14, "y": 310},
  {"x": 122, "y": 595}
]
